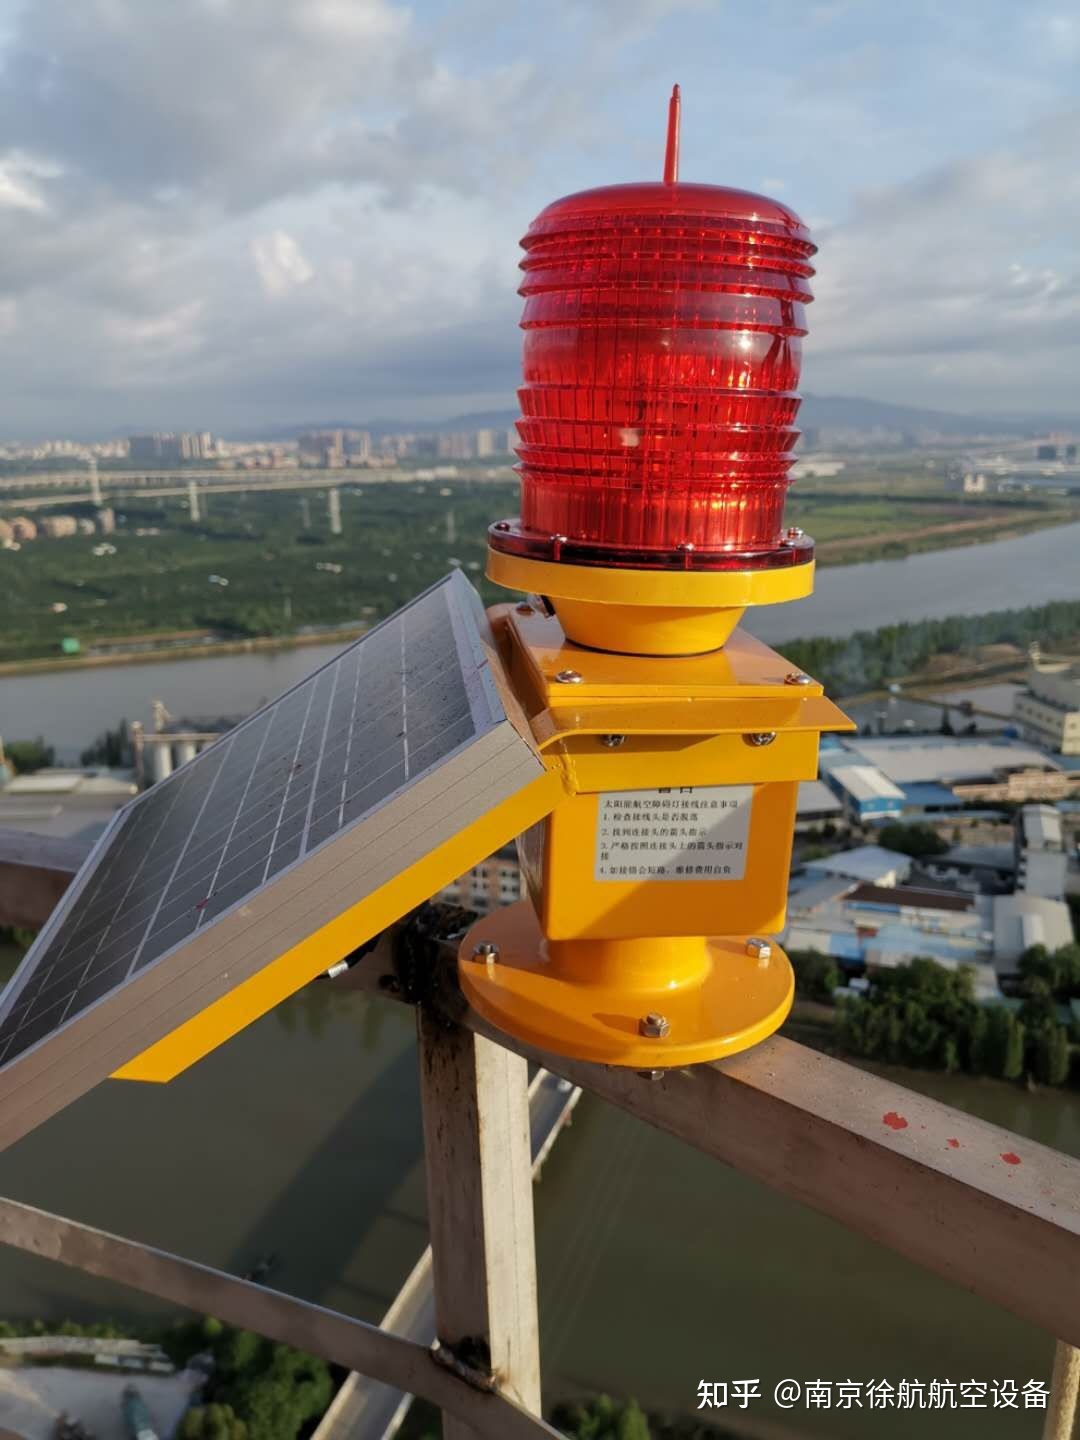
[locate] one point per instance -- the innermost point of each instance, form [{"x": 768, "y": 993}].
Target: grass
[{"x": 281, "y": 563}]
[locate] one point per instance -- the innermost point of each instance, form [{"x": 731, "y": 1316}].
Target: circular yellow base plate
[
  {"x": 733, "y": 1003},
  {"x": 682, "y": 589}
]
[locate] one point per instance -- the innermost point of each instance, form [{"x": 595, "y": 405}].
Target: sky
[{"x": 242, "y": 214}]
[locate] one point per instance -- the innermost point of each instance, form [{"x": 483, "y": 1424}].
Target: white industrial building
[{"x": 1048, "y": 710}]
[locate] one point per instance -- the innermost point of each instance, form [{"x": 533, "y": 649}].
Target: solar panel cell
[{"x": 389, "y": 711}]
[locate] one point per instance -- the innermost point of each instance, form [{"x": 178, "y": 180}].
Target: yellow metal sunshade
[{"x": 313, "y": 956}]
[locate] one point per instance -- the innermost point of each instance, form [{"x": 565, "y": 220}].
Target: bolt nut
[
  {"x": 760, "y": 738},
  {"x": 758, "y": 949},
  {"x": 612, "y": 742},
  {"x": 486, "y": 950},
  {"x": 797, "y": 677},
  {"x": 568, "y": 677},
  {"x": 654, "y": 1026}
]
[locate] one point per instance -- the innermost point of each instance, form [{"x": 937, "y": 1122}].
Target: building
[
  {"x": 937, "y": 774},
  {"x": 816, "y": 805},
  {"x": 167, "y": 449},
  {"x": 1020, "y": 921},
  {"x": 65, "y": 803},
  {"x": 882, "y": 926},
  {"x": 1048, "y": 709},
  {"x": 485, "y": 444},
  {"x": 864, "y": 792},
  {"x": 358, "y": 444},
  {"x": 487, "y": 886},
  {"x": 867, "y": 864},
  {"x": 106, "y": 520},
  {"x": 323, "y": 447},
  {"x": 1041, "y": 861},
  {"x": 978, "y": 869},
  {"x": 59, "y": 527}
]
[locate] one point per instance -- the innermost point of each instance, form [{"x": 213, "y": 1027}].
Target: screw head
[
  {"x": 612, "y": 742},
  {"x": 486, "y": 950},
  {"x": 568, "y": 677},
  {"x": 797, "y": 677},
  {"x": 685, "y": 546},
  {"x": 524, "y": 608},
  {"x": 654, "y": 1026},
  {"x": 795, "y": 532},
  {"x": 758, "y": 949},
  {"x": 501, "y": 525},
  {"x": 760, "y": 738}
]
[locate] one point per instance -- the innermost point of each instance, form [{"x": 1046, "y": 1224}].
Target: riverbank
[
  {"x": 854, "y": 532},
  {"x": 254, "y": 645}
]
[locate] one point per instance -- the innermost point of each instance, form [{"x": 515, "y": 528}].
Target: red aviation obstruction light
[{"x": 663, "y": 325}]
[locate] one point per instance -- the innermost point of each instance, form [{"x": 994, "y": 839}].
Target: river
[
  {"x": 658, "y": 1268},
  {"x": 70, "y": 709}
]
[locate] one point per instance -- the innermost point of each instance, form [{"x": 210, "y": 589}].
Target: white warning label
[{"x": 696, "y": 833}]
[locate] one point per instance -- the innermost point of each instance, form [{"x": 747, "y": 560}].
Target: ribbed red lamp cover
[{"x": 663, "y": 325}]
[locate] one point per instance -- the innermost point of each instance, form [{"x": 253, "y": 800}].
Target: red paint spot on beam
[
  {"x": 894, "y": 1121},
  {"x": 1010, "y": 1158},
  {"x": 953, "y": 1144}
]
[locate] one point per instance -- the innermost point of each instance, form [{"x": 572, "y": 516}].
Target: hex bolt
[
  {"x": 501, "y": 525},
  {"x": 486, "y": 950},
  {"x": 797, "y": 677},
  {"x": 612, "y": 742},
  {"x": 568, "y": 677},
  {"x": 758, "y": 949},
  {"x": 760, "y": 738},
  {"x": 654, "y": 1026}
]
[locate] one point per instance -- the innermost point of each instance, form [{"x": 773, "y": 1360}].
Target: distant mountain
[{"x": 818, "y": 412}]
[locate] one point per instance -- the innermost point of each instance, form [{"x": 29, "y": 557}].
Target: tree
[
  {"x": 111, "y": 748},
  {"x": 999, "y": 1048},
  {"x": 26, "y": 756},
  {"x": 280, "y": 1390},
  {"x": 816, "y": 975},
  {"x": 212, "y": 1422},
  {"x": 918, "y": 841},
  {"x": 602, "y": 1419},
  {"x": 1051, "y": 1056}
]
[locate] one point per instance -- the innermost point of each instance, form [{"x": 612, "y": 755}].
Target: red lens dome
[{"x": 663, "y": 325}]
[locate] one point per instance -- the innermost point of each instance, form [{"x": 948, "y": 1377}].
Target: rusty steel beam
[
  {"x": 337, "y": 1338},
  {"x": 986, "y": 1209}
]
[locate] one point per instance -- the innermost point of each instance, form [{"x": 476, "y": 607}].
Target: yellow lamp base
[
  {"x": 649, "y": 1004},
  {"x": 649, "y": 612}
]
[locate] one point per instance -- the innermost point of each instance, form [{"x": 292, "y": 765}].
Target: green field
[{"x": 273, "y": 550}]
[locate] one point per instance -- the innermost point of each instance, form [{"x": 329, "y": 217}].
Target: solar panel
[{"x": 280, "y": 826}]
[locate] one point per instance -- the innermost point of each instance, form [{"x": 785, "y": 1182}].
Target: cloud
[
  {"x": 235, "y": 212},
  {"x": 966, "y": 273},
  {"x": 280, "y": 263}
]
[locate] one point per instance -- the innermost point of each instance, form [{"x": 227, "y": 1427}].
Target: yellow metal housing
[
  {"x": 285, "y": 975},
  {"x": 713, "y": 997},
  {"x": 649, "y": 612},
  {"x": 580, "y": 967}
]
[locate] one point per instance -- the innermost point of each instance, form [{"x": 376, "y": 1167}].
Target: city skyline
[{"x": 320, "y": 216}]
